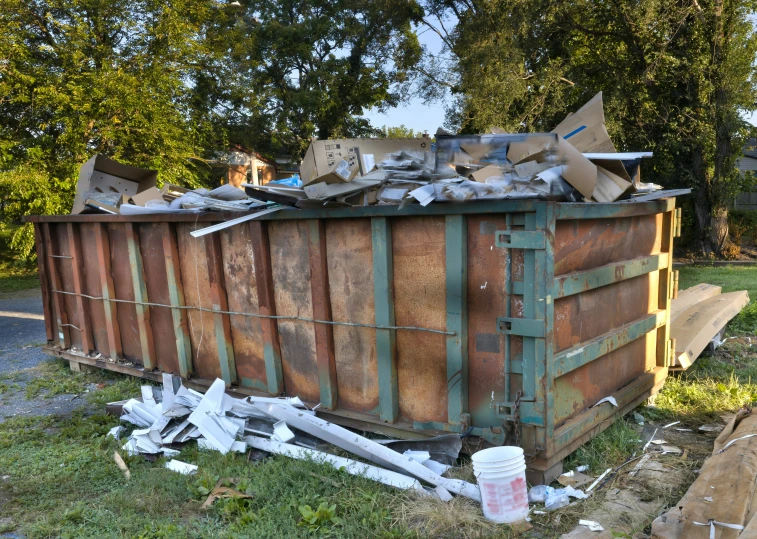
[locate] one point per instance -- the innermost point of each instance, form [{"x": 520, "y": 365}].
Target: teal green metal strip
[
  {"x": 575, "y": 283},
  {"x": 577, "y": 356},
  {"x": 252, "y": 383},
  {"x": 383, "y": 297},
  {"x": 176, "y": 297},
  {"x": 140, "y": 297},
  {"x": 611, "y": 211},
  {"x": 529, "y": 312},
  {"x": 546, "y": 391},
  {"x": 456, "y": 245}
]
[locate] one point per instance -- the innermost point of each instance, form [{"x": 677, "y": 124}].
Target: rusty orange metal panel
[
  {"x": 587, "y": 244},
  {"x": 124, "y": 287},
  {"x": 584, "y": 316},
  {"x": 486, "y": 300},
  {"x": 93, "y": 285},
  {"x": 291, "y": 278},
  {"x": 43, "y": 268},
  {"x": 420, "y": 301},
  {"x": 161, "y": 319},
  {"x": 65, "y": 270},
  {"x": 242, "y": 293},
  {"x": 194, "y": 277},
  {"x": 349, "y": 247}
]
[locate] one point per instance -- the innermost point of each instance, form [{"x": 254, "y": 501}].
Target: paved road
[{"x": 22, "y": 330}]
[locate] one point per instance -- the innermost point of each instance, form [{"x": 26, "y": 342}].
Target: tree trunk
[{"x": 712, "y": 224}]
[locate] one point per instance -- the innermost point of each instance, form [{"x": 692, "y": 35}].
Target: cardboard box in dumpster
[
  {"x": 103, "y": 175},
  {"x": 324, "y": 155}
]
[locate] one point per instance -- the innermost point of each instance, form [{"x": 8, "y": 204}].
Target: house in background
[
  {"x": 241, "y": 165},
  {"x": 747, "y": 163}
]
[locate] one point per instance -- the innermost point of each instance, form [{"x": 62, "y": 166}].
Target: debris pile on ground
[
  {"x": 173, "y": 415},
  {"x": 698, "y": 317},
  {"x": 720, "y": 503}
]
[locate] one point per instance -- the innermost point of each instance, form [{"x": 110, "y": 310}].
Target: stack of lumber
[{"x": 697, "y": 316}]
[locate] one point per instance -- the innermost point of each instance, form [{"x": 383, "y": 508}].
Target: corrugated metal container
[{"x": 506, "y": 320}]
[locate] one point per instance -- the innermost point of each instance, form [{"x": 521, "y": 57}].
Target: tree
[
  {"x": 314, "y": 66},
  {"x": 399, "y": 132},
  {"x": 675, "y": 75}
]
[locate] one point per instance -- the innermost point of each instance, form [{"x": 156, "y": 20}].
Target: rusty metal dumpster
[{"x": 506, "y": 320}]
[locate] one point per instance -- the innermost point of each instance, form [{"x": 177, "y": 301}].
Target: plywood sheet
[
  {"x": 690, "y": 296},
  {"x": 698, "y": 324}
]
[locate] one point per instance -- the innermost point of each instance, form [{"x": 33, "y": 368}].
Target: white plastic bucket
[{"x": 501, "y": 476}]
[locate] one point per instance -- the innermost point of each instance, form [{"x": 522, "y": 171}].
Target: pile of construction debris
[
  {"x": 168, "y": 417},
  {"x": 575, "y": 162}
]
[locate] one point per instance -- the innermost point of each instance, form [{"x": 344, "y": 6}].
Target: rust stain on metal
[
  {"x": 156, "y": 281},
  {"x": 350, "y": 268},
  {"x": 242, "y": 292},
  {"x": 584, "y": 316},
  {"x": 65, "y": 270},
  {"x": 122, "y": 281},
  {"x": 420, "y": 300},
  {"x": 194, "y": 277},
  {"x": 93, "y": 286},
  {"x": 590, "y": 243},
  {"x": 291, "y": 278},
  {"x": 486, "y": 300}
]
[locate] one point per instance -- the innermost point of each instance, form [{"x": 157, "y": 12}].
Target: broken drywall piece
[
  {"x": 353, "y": 467},
  {"x": 281, "y": 432},
  {"x": 181, "y": 467},
  {"x": 640, "y": 464},
  {"x": 574, "y": 479},
  {"x": 436, "y": 467},
  {"x": 443, "y": 494},
  {"x": 611, "y": 400},
  {"x": 115, "y": 432},
  {"x": 593, "y": 526},
  {"x": 417, "y": 456},
  {"x": 366, "y": 448}
]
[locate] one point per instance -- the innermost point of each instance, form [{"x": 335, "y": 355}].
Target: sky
[{"x": 415, "y": 114}]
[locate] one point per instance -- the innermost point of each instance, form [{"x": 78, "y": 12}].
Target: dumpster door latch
[
  {"x": 523, "y": 327},
  {"x": 520, "y": 239}
]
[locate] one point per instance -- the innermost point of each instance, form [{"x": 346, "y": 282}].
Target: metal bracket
[
  {"x": 523, "y": 327},
  {"x": 520, "y": 239},
  {"x": 677, "y": 223}
]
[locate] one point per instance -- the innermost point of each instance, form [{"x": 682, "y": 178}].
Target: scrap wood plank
[
  {"x": 696, "y": 326},
  {"x": 692, "y": 296}
]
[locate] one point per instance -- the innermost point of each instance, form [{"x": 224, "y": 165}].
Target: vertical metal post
[
  {"x": 508, "y": 307},
  {"x": 529, "y": 311},
  {"x": 44, "y": 281},
  {"x": 261, "y": 252},
  {"x": 386, "y": 339},
  {"x": 664, "y": 356},
  {"x": 545, "y": 262},
  {"x": 324, "y": 336},
  {"x": 220, "y": 302},
  {"x": 64, "y": 337},
  {"x": 77, "y": 271},
  {"x": 140, "y": 297},
  {"x": 176, "y": 296},
  {"x": 456, "y": 249},
  {"x": 102, "y": 247}
]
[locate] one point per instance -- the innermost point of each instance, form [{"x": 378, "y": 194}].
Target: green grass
[{"x": 13, "y": 275}]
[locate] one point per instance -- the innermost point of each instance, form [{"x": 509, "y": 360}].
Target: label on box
[{"x": 343, "y": 170}]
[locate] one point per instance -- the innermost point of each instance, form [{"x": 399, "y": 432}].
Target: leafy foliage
[
  {"x": 316, "y": 519},
  {"x": 675, "y": 76}
]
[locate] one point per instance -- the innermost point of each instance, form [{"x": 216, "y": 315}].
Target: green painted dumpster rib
[
  {"x": 140, "y": 297},
  {"x": 456, "y": 248},
  {"x": 176, "y": 297},
  {"x": 386, "y": 339},
  {"x": 612, "y": 211},
  {"x": 581, "y": 281},
  {"x": 577, "y": 356}
]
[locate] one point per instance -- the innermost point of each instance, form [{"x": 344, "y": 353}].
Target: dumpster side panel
[
  {"x": 350, "y": 269},
  {"x": 487, "y": 297},
  {"x": 65, "y": 269},
  {"x": 590, "y": 243},
  {"x": 156, "y": 280},
  {"x": 291, "y": 278},
  {"x": 242, "y": 294},
  {"x": 93, "y": 286},
  {"x": 122, "y": 281},
  {"x": 420, "y": 301},
  {"x": 194, "y": 276}
]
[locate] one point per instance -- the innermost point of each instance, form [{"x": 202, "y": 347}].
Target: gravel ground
[{"x": 22, "y": 334}]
